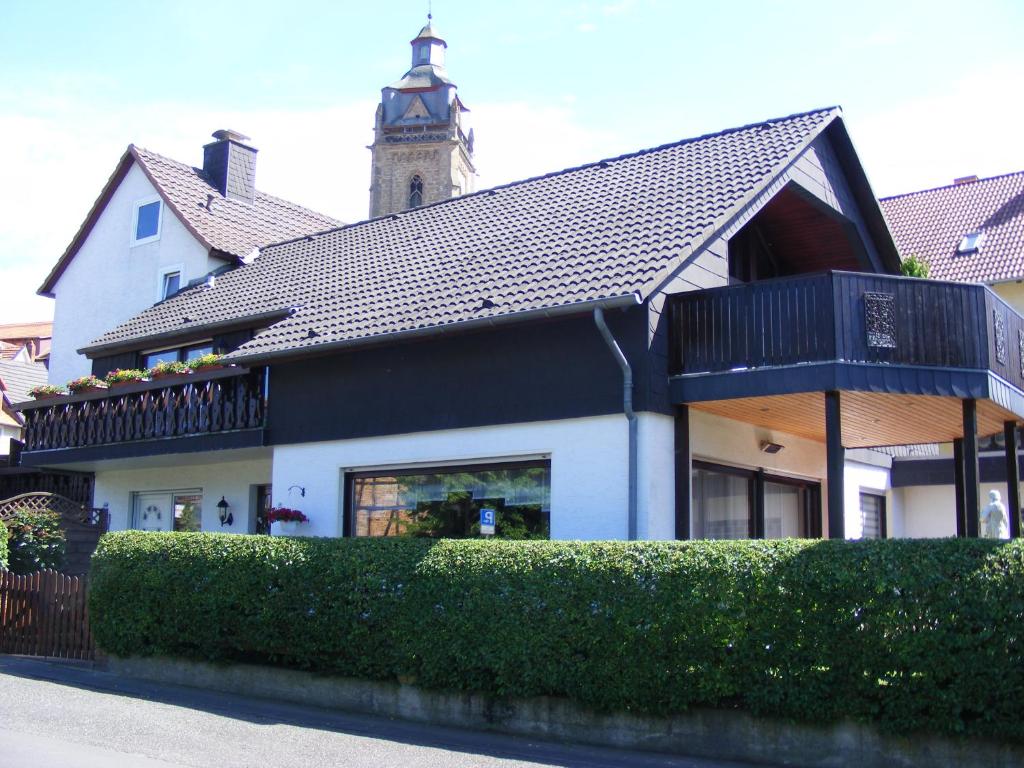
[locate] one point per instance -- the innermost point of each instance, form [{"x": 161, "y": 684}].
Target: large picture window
[
  {"x": 735, "y": 503},
  {"x": 445, "y": 502}
]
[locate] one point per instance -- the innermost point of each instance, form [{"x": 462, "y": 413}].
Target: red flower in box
[{"x": 286, "y": 515}]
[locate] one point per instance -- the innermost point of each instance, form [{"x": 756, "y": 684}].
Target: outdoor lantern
[{"x": 226, "y": 518}]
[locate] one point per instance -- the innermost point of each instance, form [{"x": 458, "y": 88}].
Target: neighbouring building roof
[
  {"x": 615, "y": 228},
  {"x": 904, "y": 451},
  {"x": 41, "y": 330},
  {"x": 932, "y": 223},
  {"x": 231, "y": 228},
  {"x": 16, "y": 379}
]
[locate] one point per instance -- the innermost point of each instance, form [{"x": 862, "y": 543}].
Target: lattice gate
[{"x": 45, "y": 613}]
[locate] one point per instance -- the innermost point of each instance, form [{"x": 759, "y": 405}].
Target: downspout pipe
[{"x": 627, "y": 407}]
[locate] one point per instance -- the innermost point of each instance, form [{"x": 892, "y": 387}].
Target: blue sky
[{"x": 930, "y": 91}]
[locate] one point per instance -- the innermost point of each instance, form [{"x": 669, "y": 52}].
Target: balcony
[
  {"x": 865, "y": 333},
  {"x": 206, "y": 411}
]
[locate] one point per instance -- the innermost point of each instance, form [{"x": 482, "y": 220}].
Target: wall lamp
[
  {"x": 223, "y": 508},
  {"x": 770, "y": 447}
]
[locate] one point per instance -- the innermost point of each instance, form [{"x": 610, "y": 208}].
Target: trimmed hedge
[{"x": 909, "y": 635}]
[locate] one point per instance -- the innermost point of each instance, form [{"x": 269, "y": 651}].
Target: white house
[{"x": 158, "y": 226}]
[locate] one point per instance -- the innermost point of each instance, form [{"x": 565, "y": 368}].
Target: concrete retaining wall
[{"x": 699, "y": 733}]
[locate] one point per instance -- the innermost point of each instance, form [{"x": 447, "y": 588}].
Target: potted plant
[
  {"x": 208, "y": 362},
  {"x": 121, "y": 376},
  {"x": 169, "y": 369},
  {"x": 47, "y": 391},
  {"x": 288, "y": 519},
  {"x": 85, "y": 384}
]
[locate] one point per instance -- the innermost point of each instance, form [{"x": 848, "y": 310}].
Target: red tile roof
[{"x": 931, "y": 223}]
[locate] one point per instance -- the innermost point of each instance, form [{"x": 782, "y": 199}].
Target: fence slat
[{"x": 45, "y": 614}]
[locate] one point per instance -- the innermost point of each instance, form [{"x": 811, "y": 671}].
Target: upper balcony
[
  {"x": 736, "y": 350},
  {"x": 203, "y": 411}
]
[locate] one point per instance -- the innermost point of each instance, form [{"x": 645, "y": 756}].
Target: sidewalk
[{"x": 72, "y": 716}]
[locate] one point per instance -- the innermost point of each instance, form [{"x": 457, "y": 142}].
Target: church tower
[{"x": 420, "y": 152}]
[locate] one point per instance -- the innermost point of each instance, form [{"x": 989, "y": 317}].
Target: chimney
[
  {"x": 230, "y": 165},
  {"x": 964, "y": 180}
]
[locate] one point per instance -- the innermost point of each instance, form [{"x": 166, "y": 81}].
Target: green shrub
[
  {"x": 35, "y": 541},
  {"x": 911, "y": 635},
  {"x": 3, "y": 546}
]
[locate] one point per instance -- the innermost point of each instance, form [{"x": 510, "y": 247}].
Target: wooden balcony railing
[
  {"x": 222, "y": 401},
  {"x": 847, "y": 317}
]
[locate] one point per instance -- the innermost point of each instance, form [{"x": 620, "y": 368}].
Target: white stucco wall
[
  {"x": 589, "y": 476},
  {"x": 870, "y": 474},
  {"x": 108, "y": 281},
  {"x": 930, "y": 510},
  {"x": 213, "y": 477}
]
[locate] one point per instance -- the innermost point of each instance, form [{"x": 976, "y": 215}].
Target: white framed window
[
  {"x": 169, "y": 282},
  {"x": 168, "y": 510},
  {"x": 146, "y": 217}
]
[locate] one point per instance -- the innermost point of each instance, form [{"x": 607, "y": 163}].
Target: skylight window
[
  {"x": 970, "y": 243},
  {"x": 146, "y": 221}
]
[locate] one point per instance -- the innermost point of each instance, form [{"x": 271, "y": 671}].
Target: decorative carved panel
[
  {"x": 999, "y": 329},
  {"x": 880, "y": 320}
]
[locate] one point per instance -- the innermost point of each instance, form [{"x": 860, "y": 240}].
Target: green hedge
[
  {"x": 911, "y": 635},
  {"x": 35, "y": 541}
]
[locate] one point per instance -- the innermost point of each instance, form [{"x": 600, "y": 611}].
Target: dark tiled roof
[
  {"x": 904, "y": 451},
  {"x": 231, "y": 227},
  {"x": 609, "y": 229},
  {"x": 931, "y": 223},
  {"x": 16, "y": 379}
]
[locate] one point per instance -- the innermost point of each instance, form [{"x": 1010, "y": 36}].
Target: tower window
[{"x": 415, "y": 192}]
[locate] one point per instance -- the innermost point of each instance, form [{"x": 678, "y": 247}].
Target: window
[
  {"x": 415, "y": 192},
  {"x": 424, "y": 52},
  {"x": 145, "y": 221},
  {"x": 188, "y": 512},
  {"x": 445, "y": 502},
  {"x": 735, "y": 503},
  {"x": 971, "y": 242},
  {"x": 176, "y": 354},
  {"x": 872, "y": 516},
  {"x": 171, "y": 284}
]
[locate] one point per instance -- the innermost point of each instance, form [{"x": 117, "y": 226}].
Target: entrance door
[{"x": 153, "y": 511}]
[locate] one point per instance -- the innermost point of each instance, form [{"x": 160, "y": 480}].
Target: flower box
[
  {"x": 47, "y": 395},
  {"x": 170, "y": 377},
  {"x": 116, "y": 384},
  {"x": 288, "y": 527},
  {"x": 90, "y": 389}
]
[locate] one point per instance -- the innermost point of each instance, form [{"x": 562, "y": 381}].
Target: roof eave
[
  {"x": 621, "y": 301},
  {"x": 183, "y": 334}
]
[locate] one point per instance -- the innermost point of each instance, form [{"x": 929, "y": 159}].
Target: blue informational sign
[{"x": 487, "y": 517}]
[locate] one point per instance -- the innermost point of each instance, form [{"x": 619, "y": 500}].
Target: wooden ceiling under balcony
[{"x": 869, "y": 419}]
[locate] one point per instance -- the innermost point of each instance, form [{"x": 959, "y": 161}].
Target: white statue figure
[{"x": 993, "y": 518}]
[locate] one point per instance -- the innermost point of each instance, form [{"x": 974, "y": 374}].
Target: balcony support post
[
  {"x": 971, "y": 491},
  {"x": 683, "y": 472},
  {"x": 1012, "y": 478},
  {"x": 958, "y": 487},
  {"x": 835, "y": 458}
]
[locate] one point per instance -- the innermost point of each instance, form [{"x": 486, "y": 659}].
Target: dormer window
[
  {"x": 171, "y": 284},
  {"x": 970, "y": 243},
  {"x": 146, "y": 221}
]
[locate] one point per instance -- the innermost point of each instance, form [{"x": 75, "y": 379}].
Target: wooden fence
[{"x": 45, "y": 614}]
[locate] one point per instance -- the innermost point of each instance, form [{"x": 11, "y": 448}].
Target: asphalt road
[{"x": 71, "y": 716}]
